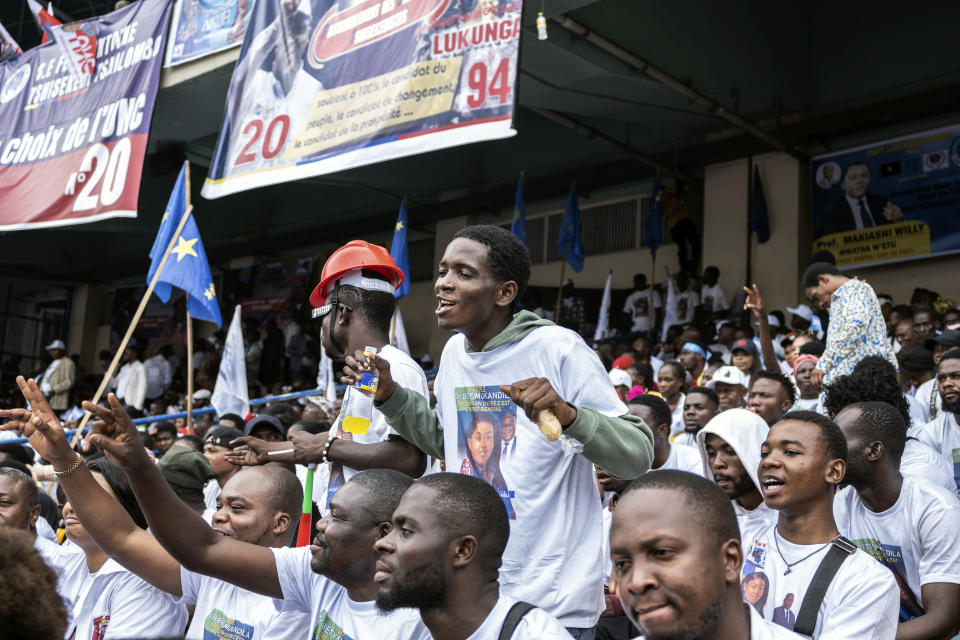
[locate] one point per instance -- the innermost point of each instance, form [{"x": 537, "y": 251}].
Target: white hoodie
[{"x": 744, "y": 431}]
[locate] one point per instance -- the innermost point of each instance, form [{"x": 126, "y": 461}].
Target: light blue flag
[
  {"x": 519, "y": 225},
  {"x": 569, "y": 241},
  {"x": 176, "y": 207},
  {"x": 399, "y": 251}
]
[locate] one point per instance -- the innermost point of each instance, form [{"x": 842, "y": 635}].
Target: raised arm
[
  {"x": 755, "y": 303},
  {"x": 181, "y": 530},
  {"x": 103, "y": 518}
]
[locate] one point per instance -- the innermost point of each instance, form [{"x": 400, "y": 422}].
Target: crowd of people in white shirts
[{"x": 724, "y": 481}]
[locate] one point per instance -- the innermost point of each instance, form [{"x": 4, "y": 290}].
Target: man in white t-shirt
[
  {"x": 332, "y": 580},
  {"x": 655, "y": 413},
  {"x": 258, "y": 506},
  {"x": 712, "y": 296},
  {"x": 132, "y": 379},
  {"x": 801, "y": 464},
  {"x": 943, "y": 433},
  {"x": 907, "y": 524},
  {"x": 355, "y": 306},
  {"x": 637, "y": 305},
  {"x": 729, "y": 447},
  {"x": 443, "y": 556},
  {"x": 676, "y": 553},
  {"x": 928, "y": 394},
  {"x": 505, "y": 363},
  {"x": 700, "y": 405}
]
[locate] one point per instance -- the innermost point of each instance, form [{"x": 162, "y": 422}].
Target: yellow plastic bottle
[{"x": 359, "y": 399}]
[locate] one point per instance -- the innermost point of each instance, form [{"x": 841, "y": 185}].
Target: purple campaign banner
[
  {"x": 72, "y": 147},
  {"x": 327, "y": 85}
]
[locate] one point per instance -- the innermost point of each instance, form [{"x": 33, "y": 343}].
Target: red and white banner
[{"x": 74, "y": 126}]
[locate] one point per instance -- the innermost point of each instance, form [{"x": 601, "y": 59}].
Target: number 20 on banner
[{"x": 102, "y": 176}]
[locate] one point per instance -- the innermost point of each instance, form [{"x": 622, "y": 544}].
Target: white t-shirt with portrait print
[
  {"x": 862, "y": 600},
  {"x": 115, "y": 603},
  {"x": 332, "y": 613},
  {"x": 225, "y": 611},
  {"x": 714, "y": 298},
  {"x": 407, "y": 373},
  {"x": 552, "y": 560},
  {"x": 943, "y": 435},
  {"x": 638, "y": 307},
  {"x": 536, "y": 624},
  {"x": 916, "y": 538}
]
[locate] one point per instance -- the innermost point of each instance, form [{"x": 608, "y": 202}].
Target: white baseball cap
[
  {"x": 772, "y": 320},
  {"x": 728, "y": 375},
  {"x": 56, "y": 344},
  {"x": 620, "y": 377},
  {"x": 804, "y": 311}
]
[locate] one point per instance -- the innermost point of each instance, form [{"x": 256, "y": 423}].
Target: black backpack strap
[
  {"x": 840, "y": 550},
  {"x": 514, "y": 616}
]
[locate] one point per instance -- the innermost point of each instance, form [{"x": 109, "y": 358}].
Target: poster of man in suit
[{"x": 888, "y": 201}]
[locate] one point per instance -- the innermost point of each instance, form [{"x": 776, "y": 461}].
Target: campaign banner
[
  {"x": 72, "y": 144},
  {"x": 327, "y": 85},
  {"x": 202, "y": 27},
  {"x": 890, "y": 201}
]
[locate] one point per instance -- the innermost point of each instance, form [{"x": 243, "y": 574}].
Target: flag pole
[
  {"x": 134, "y": 321},
  {"x": 189, "y": 331},
  {"x": 189, "y": 373}
]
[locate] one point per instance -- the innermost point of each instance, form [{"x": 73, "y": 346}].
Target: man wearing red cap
[{"x": 355, "y": 302}]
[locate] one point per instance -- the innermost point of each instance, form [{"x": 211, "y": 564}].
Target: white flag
[
  {"x": 398, "y": 335},
  {"x": 230, "y": 392},
  {"x": 325, "y": 380},
  {"x": 603, "y": 322}
]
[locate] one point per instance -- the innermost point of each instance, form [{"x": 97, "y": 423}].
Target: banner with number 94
[{"x": 327, "y": 85}]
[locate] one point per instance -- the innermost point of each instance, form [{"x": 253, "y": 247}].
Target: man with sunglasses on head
[{"x": 355, "y": 302}]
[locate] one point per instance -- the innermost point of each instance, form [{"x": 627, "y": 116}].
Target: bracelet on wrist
[
  {"x": 325, "y": 456},
  {"x": 73, "y": 467}
]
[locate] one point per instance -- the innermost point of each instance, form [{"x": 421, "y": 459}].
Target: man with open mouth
[
  {"x": 676, "y": 553},
  {"x": 802, "y": 461}
]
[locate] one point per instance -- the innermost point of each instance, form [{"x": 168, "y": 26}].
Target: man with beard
[
  {"x": 681, "y": 581},
  {"x": 699, "y": 407},
  {"x": 928, "y": 393},
  {"x": 257, "y": 506},
  {"x": 332, "y": 580},
  {"x": 943, "y": 433},
  {"x": 443, "y": 556},
  {"x": 802, "y": 461},
  {"x": 907, "y": 524},
  {"x": 730, "y": 452}
]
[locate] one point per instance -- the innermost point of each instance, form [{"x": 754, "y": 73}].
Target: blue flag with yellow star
[
  {"x": 186, "y": 267},
  {"x": 519, "y": 225},
  {"x": 399, "y": 251}
]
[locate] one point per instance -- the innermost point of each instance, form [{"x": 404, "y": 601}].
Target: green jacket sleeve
[
  {"x": 412, "y": 418},
  {"x": 622, "y": 446}
]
